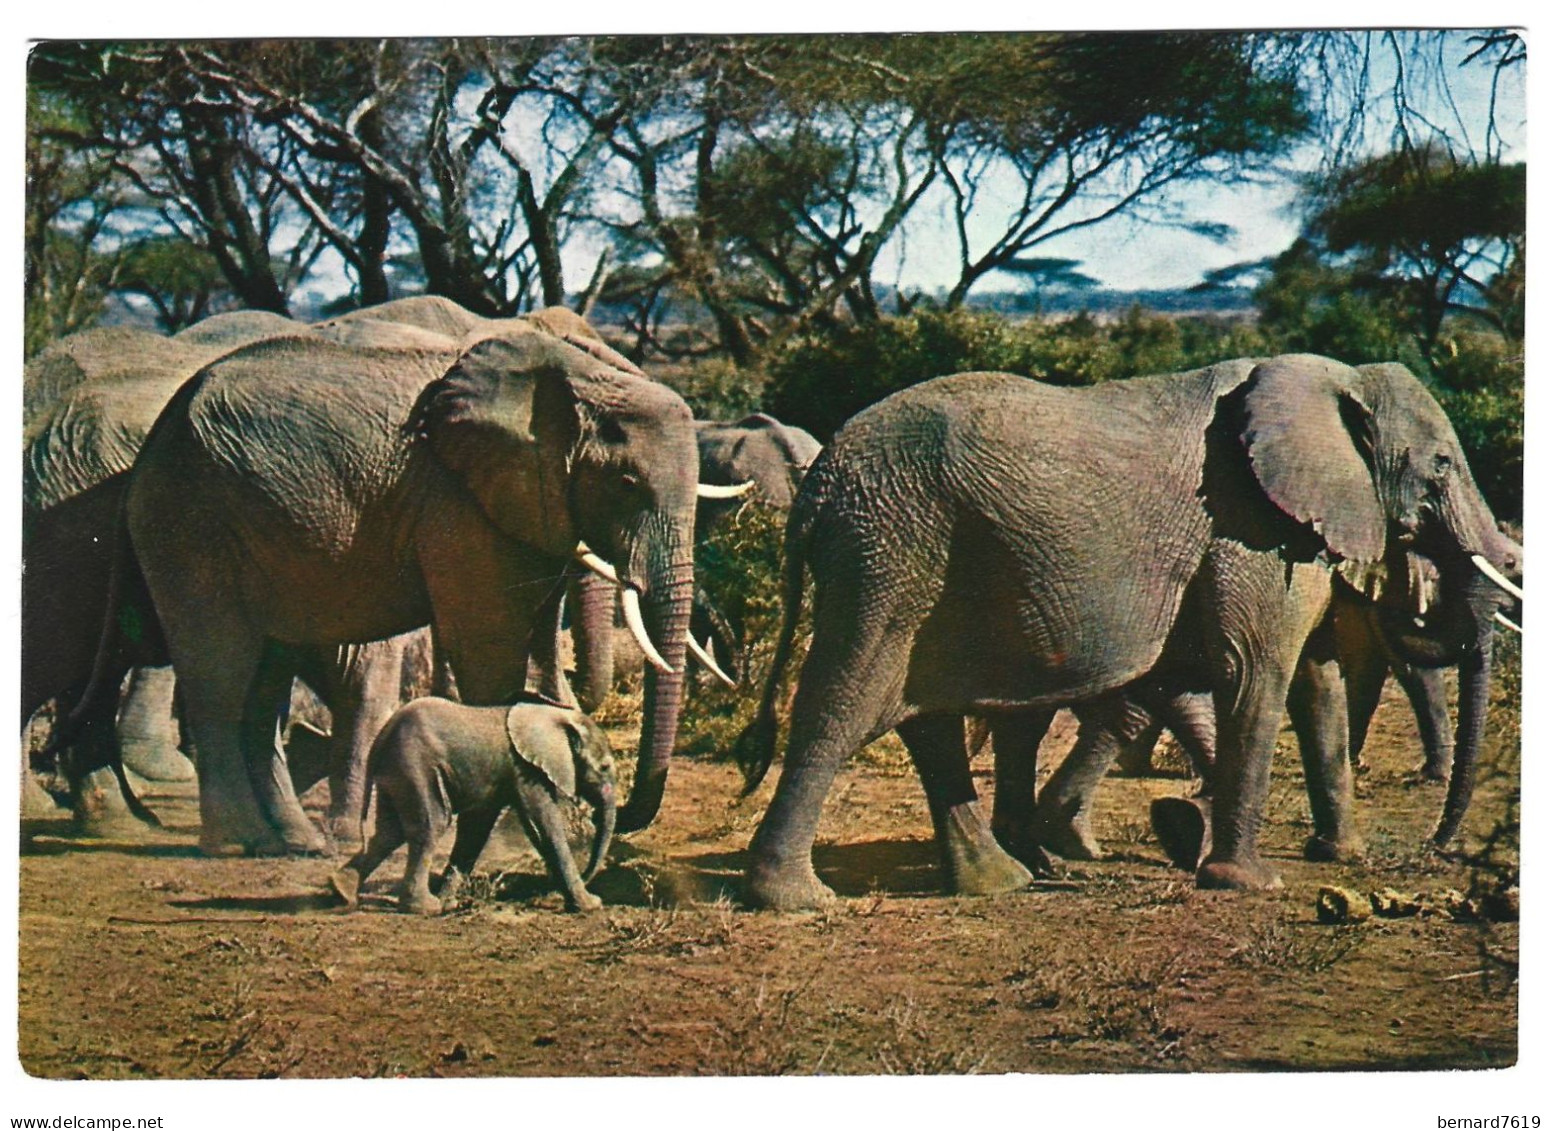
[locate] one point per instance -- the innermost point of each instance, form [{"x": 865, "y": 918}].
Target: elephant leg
[
  {"x": 1364, "y": 668},
  {"x": 848, "y": 694},
  {"x": 386, "y": 836},
  {"x": 544, "y": 667},
  {"x": 1428, "y": 696},
  {"x": 101, "y": 799},
  {"x": 263, "y": 725},
  {"x": 1062, "y": 819},
  {"x": 1266, "y": 610},
  {"x": 229, "y": 815},
  {"x": 1316, "y": 704},
  {"x": 1133, "y": 754},
  {"x": 545, "y": 827},
  {"x": 147, "y": 727},
  {"x": 1014, "y": 742},
  {"x": 1192, "y": 719},
  {"x": 592, "y": 601},
  {"x": 473, "y": 833},
  {"x": 972, "y": 862},
  {"x": 364, "y": 692},
  {"x": 422, "y": 829}
]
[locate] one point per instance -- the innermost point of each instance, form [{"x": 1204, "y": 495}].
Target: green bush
[
  {"x": 1479, "y": 381},
  {"x": 820, "y": 381},
  {"x": 740, "y": 568}
]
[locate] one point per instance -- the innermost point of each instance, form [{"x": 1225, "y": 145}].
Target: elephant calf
[{"x": 435, "y": 760}]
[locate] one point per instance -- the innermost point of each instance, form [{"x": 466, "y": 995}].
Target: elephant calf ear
[
  {"x": 540, "y": 739},
  {"x": 1308, "y": 439}
]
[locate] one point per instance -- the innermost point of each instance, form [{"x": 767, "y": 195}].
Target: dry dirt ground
[{"x": 145, "y": 960}]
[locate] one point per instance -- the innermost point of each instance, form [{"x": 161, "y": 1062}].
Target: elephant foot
[
  {"x": 1344, "y": 850},
  {"x": 975, "y": 864},
  {"x": 450, "y": 885},
  {"x": 300, "y": 837},
  {"x": 419, "y": 903},
  {"x": 155, "y": 761},
  {"x": 1070, "y": 839},
  {"x": 1437, "y": 771},
  {"x": 787, "y": 889},
  {"x": 582, "y": 902},
  {"x": 111, "y": 825},
  {"x": 1182, "y": 826},
  {"x": 1250, "y": 874},
  {"x": 346, "y": 833},
  {"x": 346, "y": 884}
]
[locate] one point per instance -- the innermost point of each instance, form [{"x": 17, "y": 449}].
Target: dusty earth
[{"x": 142, "y": 959}]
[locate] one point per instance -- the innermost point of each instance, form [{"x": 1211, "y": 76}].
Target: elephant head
[
  {"x": 579, "y": 459},
  {"x": 1366, "y": 462},
  {"x": 573, "y": 755}
]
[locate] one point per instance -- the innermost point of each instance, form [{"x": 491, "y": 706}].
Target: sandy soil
[{"x": 145, "y": 960}]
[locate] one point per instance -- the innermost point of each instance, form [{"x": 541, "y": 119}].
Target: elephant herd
[{"x": 257, "y": 501}]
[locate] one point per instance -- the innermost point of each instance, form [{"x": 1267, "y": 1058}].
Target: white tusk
[
  {"x": 637, "y": 626},
  {"x": 596, "y": 564},
  {"x": 703, "y": 654},
  {"x": 1495, "y": 575},
  {"x": 1505, "y": 623},
  {"x": 717, "y": 491}
]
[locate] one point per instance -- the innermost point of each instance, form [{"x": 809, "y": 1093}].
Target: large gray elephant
[
  {"x": 437, "y": 761},
  {"x": 107, "y": 389},
  {"x": 985, "y": 542},
  {"x": 756, "y": 453},
  {"x": 298, "y": 493}
]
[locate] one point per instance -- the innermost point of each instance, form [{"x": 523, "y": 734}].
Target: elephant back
[
  {"x": 236, "y": 328},
  {"x": 293, "y": 417},
  {"x": 62, "y": 365},
  {"x": 427, "y": 312}
]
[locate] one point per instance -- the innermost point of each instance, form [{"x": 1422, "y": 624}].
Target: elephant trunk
[
  {"x": 592, "y": 630},
  {"x": 666, "y": 611},
  {"x": 604, "y": 818}
]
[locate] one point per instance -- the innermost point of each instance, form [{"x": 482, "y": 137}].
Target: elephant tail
[
  {"x": 754, "y": 750},
  {"x": 119, "y": 625}
]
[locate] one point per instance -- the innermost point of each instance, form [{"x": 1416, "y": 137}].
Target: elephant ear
[
  {"x": 540, "y": 739},
  {"x": 1309, "y": 442},
  {"x": 505, "y": 418}
]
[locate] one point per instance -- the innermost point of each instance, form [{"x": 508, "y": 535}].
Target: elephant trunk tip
[{"x": 645, "y": 799}]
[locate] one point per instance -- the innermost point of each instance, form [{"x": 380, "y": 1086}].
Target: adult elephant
[
  {"x": 757, "y": 453},
  {"x": 107, "y": 388},
  {"x": 985, "y": 542},
  {"x": 299, "y": 493}
]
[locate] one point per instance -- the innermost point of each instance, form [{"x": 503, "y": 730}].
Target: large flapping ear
[
  {"x": 505, "y": 418},
  {"x": 539, "y": 738},
  {"x": 1308, "y": 439}
]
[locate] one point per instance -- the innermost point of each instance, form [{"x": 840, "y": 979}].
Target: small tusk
[
  {"x": 717, "y": 491},
  {"x": 1505, "y": 623},
  {"x": 597, "y": 565},
  {"x": 1495, "y": 575},
  {"x": 637, "y": 626},
  {"x": 702, "y": 653}
]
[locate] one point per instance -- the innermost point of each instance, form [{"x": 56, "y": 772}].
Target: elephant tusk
[
  {"x": 597, "y": 565},
  {"x": 702, "y": 653},
  {"x": 637, "y": 627},
  {"x": 1495, "y": 575},
  {"x": 1502, "y": 620},
  {"x": 718, "y": 491}
]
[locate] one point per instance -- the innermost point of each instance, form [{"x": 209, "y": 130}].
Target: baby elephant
[{"x": 435, "y": 760}]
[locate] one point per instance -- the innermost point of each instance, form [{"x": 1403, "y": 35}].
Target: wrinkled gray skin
[
  {"x": 985, "y": 542},
  {"x": 300, "y": 494},
  {"x": 757, "y": 448},
  {"x": 108, "y": 387},
  {"x": 437, "y": 760},
  {"x": 92, "y": 398}
]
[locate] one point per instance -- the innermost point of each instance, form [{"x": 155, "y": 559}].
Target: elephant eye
[{"x": 1441, "y": 462}]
